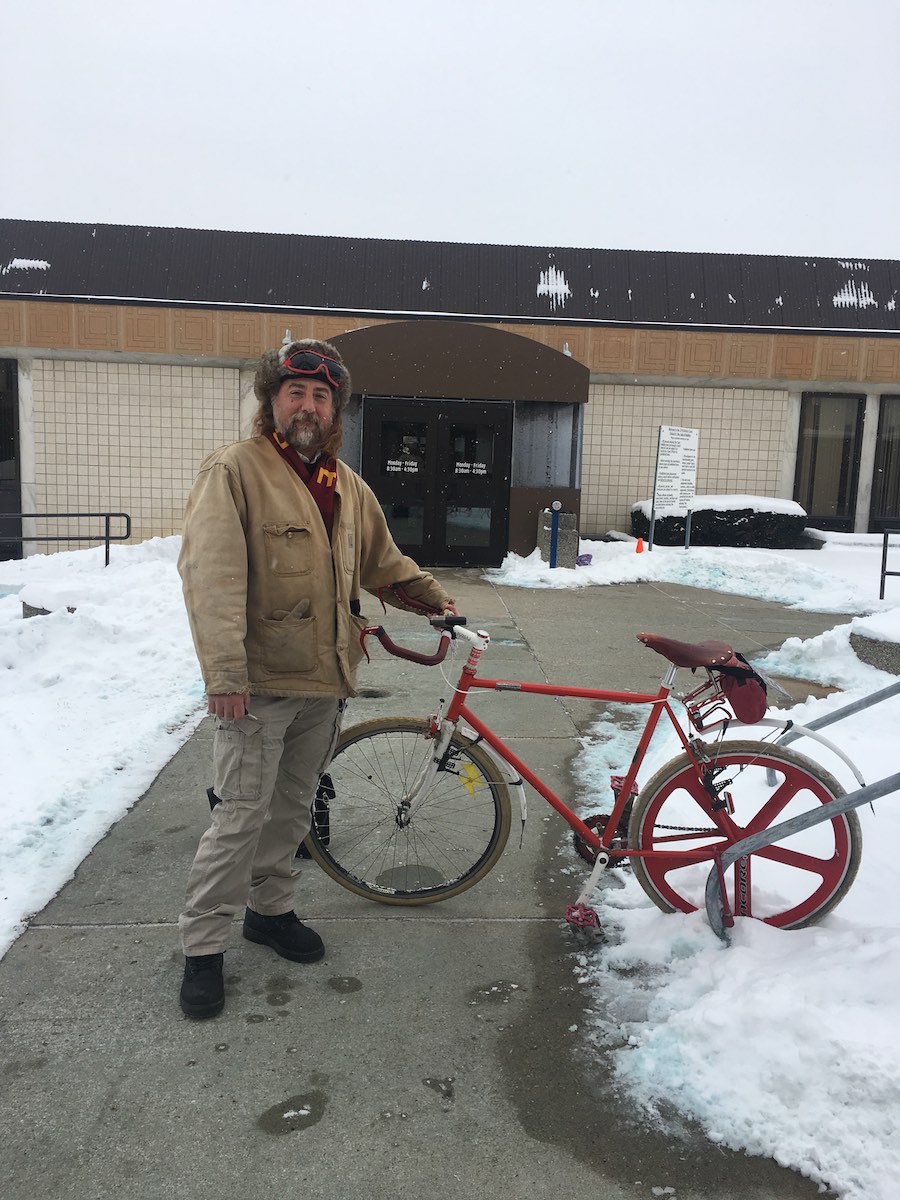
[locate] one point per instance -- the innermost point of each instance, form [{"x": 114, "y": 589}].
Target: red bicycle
[{"x": 420, "y": 809}]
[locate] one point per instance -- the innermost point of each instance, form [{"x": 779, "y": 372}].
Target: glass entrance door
[
  {"x": 441, "y": 472},
  {"x": 828, "y": 458}
]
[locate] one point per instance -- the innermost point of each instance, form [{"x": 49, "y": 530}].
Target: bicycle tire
[
  {"x": 458, "y": 829},
  {"x": 790, "y": 884}
]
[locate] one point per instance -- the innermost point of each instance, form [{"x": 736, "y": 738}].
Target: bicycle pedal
[{"x": 582, "y": 916}]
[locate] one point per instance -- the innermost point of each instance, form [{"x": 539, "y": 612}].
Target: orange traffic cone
[{"x": 639, "y": 548}]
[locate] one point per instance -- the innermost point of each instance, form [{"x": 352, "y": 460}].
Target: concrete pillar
[
  {"x": 867, "y": 463},
  {"x": 27, "y": 454},
  {"x": 246, "y": 400},
  {"x": 789, "y": 447}
]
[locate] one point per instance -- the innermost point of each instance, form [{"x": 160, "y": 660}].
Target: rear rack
[{"x": 705, "y": 702}]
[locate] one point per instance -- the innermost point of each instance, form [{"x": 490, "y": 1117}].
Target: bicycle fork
[{"x": 427, "y": 772}]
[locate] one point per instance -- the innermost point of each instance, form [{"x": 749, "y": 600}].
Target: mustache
[
  {"x": 306, "y": 419},
  {"x": 306, "y": 423},
  {"x": 304, "y": 428}
]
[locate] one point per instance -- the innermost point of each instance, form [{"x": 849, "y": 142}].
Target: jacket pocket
[
  {"x": 288, "y": 548},
  {"x": 289, "y": 646}
]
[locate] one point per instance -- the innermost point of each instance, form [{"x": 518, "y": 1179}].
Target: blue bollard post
[{"x": 554, "y": 530}]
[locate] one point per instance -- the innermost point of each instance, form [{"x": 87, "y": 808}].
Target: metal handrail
[
  {"x": 849, "y": 710},
  {"x": 718, "y": 911},
  {"x": 106, "y": 537},
  {"x": 884, "y": 550}
]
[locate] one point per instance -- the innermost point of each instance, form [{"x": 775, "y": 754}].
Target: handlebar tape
[{"x": 424, "y": 660}]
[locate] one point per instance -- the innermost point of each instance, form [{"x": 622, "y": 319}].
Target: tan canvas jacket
[{"x": 271, "y": 603}]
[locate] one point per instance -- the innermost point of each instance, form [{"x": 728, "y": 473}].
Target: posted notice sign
[{"x": 676, "y": 467}]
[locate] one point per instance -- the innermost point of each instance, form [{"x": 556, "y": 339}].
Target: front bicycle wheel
[
  {"x": 790, "y": 884},
  {"x": 457, "y": 830}
]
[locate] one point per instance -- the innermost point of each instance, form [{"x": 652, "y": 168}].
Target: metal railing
[
  {"x": 717, "y": 910},
  {"x": 884, "y": 570},
  {"x": 106, "y": 537}
]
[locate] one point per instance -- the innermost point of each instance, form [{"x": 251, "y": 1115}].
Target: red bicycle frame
[{"x": 458, "y": 710}]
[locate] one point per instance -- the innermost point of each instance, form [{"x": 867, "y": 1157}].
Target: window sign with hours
[
  {"x": 471, "y": 468},
  {"x": 402, "y": 448}
]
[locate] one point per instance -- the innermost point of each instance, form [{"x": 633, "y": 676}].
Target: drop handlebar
[{"x": 446, "y": 624}]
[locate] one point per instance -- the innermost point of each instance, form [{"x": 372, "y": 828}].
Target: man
[{"x": 279, "y": 540}]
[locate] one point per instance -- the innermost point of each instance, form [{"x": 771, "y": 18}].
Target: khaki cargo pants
[{"x": 266, "y": 767}]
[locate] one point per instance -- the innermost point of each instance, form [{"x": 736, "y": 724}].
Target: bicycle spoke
[
  {"x": 791, "y": 858},
  {"x": 786, "y": 792},
  {"x": 450, "y": 833}
]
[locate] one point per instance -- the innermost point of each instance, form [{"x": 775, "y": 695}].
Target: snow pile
[
  {"x": 835, "y": 579},
  {"x": 723, "y": 504},
  {"x": 95, "y": 702},
  {"x": 783, "y": 1045}
]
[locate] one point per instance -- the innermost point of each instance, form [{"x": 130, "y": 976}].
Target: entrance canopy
[
  {"x": 460, "y": 478},
  {"x": 459, "y": 359}
]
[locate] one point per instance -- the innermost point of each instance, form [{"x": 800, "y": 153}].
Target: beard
[{"x": 305, "y": 432}]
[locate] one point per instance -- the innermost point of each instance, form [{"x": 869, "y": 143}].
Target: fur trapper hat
[{"x": 270, "y": 371}]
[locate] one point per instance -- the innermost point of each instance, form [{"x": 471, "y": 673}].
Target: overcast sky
[{"x": 755, "y": 126}]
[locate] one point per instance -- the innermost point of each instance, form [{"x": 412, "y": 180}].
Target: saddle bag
[{"x": 743, "y": 688}]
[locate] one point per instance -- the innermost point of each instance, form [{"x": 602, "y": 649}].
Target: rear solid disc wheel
[
  {"x": 458, "y": 827},
  {"x": 793, "y": 882}
]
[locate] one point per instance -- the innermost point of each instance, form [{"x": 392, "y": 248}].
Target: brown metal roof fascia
[
  {"x": 850, "y": 291},
  {"x": 458, "y": 359},
  {"x": 221, "y": 269},
  {"x": 648, "y": 288},
  {"x": 684, "y": 287},
  {"x": 762, "y": 291},
  {"x": 609, "y": 287},
  {"x": 795, "y": 293},
  {"x": 723, "y": 294}
]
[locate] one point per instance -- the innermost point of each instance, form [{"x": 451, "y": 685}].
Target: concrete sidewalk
[{"x": 433, "y": 1050}]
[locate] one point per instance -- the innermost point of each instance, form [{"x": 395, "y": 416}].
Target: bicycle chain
[
  {"x": 725, "y": 783},
  {"x": 685, "y": 829}
]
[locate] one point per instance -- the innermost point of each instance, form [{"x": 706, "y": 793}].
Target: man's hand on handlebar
[{"x": 448, "y": 618}]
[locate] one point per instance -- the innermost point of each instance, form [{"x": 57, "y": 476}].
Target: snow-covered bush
[{"x": 725, "y": 521}]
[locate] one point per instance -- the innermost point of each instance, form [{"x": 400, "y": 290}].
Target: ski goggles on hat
[{"x": 310, "y": 362}]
